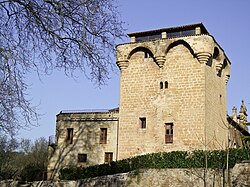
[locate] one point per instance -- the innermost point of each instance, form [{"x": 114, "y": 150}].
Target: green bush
[
  {"x": 33, "y": 173},
  {"x": 175, "y": 159}
]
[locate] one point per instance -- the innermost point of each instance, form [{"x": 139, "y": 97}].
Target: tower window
[
  {"x": 161, "y": 85},
  {"x": 69, "y": 139},
  {"x": 166, "y": 84},
  {"x": 82, "y": 158},
  {"x": 169, "y": 132},
  {"x": 143, "y": 123},
  {"x": 108, "y": 157},
  {"x": 103, "y": 136}
]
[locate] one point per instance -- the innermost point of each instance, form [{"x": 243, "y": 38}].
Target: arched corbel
[
  {"x": 218, "y": 66},
  {"x": 227, "y": 78},
  {"x": 203, "y": 57},
  {"x": 160, "y": 60},
  {"x": 227, "y": 72},
  {"x": 122, "y": 64}
]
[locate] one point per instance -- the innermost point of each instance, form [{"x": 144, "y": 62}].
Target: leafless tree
[
  {"x": 23, "y": 158},
  {"x": 7, "y": 148},
  {"x": 44, "y": 35}
]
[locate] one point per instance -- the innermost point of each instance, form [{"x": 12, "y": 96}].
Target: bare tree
[
  {"x": 23, "y": 158},
  {"x": 34, "y": 166},
  {"x": 43, "y": 35},
  {"x": 7, "y": 148}
]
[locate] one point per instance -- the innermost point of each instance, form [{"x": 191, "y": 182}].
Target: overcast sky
[{"x": 227, "y": 20}]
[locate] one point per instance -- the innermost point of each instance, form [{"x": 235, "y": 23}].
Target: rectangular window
[
  {"x": 169, "y": 133},
  {"x": 69, "y": 139},
  {"x": 108, "y": 157},
  {"x": 82, "y": 158},
  {"x": 103, "y": 136},
  {"x": 143, "y": 123},
  {"x": 147, "y": 38},
  {"x": 181, "y": 33}
]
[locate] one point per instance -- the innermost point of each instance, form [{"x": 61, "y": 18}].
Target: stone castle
[{"x": 172, "y": 97}]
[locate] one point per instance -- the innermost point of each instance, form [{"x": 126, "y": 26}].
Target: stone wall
[
  {"x": 196, "y": 70},
  {"x": 86, "y": 140},
  {"x": 216, "y": 124},
  {"x": 239, "y": 177}
]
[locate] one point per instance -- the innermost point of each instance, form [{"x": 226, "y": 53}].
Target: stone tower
[{"x": 172, "y": 91}]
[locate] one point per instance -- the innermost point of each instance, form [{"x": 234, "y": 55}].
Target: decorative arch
[
  {"x": 216, "y": 53},
  {"x": 143, "y": 49},
  {"x": 224, "y": 72},
  {"x": 180, "y": 42},
  {"x": 223, "y": 66}
]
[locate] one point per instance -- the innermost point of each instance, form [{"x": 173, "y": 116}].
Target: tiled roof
[
  {"x": 89, "y": 111},
  {"x": 171, "y": 29}
]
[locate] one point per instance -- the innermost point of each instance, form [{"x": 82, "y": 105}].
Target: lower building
[{"x": 83, "y": 139}]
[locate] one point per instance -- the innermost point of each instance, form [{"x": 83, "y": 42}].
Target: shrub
[
  {"x": 33, "y": 173},
  {"x": 175, "y": 159}
]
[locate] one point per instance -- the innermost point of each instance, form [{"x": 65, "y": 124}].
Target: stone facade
[
  {"x": 172, "y": 97},
  {"x": 195, "y": 69},
  {"x": 83, "y": 146}
]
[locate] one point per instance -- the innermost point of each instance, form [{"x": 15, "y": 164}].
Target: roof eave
[
  {"x": 178, "y": 28},
  {"x": 237, "y": 126}
]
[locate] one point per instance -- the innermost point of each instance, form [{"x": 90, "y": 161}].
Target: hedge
[{"x": 176, "y": 159}]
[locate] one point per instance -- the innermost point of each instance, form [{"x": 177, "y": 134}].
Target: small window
[
  {"x": 69, "y": 139},
  {"x": 82, "y": 158},
  {"x": 143, "y": 123},
  {"x": 161, "y": 85},
  {"x": 169, "y": 133},
  {"x": 103, "y": 136},
  {"x": 166, "y": 84},
  {"x": 108, "y": 157}
]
